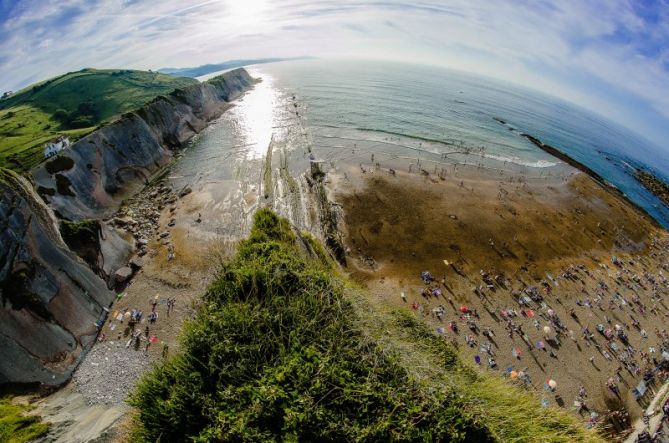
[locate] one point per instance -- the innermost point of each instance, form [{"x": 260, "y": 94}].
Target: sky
[{"x": 610, "y": 56}]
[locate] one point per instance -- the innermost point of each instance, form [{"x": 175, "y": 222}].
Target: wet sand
[{"x": 527, "y": 231}]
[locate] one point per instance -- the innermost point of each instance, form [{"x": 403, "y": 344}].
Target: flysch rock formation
[
  {"x": 49, "y": 298},
  {"x": 90, "y": 179}
]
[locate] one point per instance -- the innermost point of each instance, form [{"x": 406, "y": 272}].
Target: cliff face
[
  {"x": 49, "y": 298},
  {"x": 90, "y": 179}
]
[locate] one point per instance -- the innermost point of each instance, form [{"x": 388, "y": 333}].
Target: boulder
[
  {"x": 122, "y": 275},
  {"x": 136, "y": 263},
  {"x": 114, "y": 251}
]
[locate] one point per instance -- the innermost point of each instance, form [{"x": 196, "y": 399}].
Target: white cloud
[{"x": 589, "y": 52}]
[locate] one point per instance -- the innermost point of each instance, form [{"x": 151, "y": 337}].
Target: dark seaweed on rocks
[
  {"x": 583, "y": 168},
  {"x": 654, "y": 184}
]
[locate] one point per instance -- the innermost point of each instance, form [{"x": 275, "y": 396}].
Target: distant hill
[
  {"x": 73, "y": 104},
  {"x": 198, "y": 71}
]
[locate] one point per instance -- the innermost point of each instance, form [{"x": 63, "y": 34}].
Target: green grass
[
  {"x": 74, "y": 105},
  {"x": 283, "y": 349},
  {"x": 16, "y": 426}
]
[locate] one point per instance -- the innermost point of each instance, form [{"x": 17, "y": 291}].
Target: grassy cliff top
[
  {"x": 283, "y": 350},
  {"x": 73, "y": 104}
]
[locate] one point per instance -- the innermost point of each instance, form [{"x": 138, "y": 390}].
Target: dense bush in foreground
[{"x": 275, "y": 355}]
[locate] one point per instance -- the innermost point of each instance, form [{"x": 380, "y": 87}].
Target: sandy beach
[{"x": 587, "y": 256}]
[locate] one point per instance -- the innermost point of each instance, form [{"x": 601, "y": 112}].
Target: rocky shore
[
  {"x": 654, "y": 184},
  {"x": 59, "y": 297},
  {"x": 598, "y": 178}
]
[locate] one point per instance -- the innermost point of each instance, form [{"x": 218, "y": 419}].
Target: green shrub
[
  {"x": 85, "y": 231},
  {"x": 59, "y": 163},
  {"x": 275, "y": 355},
  {"x": 61, "y": 115}
]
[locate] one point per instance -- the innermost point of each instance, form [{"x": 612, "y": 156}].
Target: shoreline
[
  {"x": 595, "y": 176},
  {"x": 157, "y": 274}
]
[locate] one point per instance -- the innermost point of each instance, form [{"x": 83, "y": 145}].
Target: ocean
[{"x": 432, "y": 117}]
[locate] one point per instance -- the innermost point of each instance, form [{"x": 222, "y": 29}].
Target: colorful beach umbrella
[{"x": 541, "y": 345}]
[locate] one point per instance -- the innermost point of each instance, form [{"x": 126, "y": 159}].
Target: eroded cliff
[
  {"x": 49, "y": 298},
  {"x": 91, "y": 179}
]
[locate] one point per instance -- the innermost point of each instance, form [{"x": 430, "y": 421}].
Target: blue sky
[{"x": 611, "y": 56}]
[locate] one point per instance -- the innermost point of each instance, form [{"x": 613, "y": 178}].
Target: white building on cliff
[{"x": 54, "y": 147}]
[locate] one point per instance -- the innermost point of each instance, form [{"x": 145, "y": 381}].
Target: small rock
[
  {"x": 184, "y": 192},
  {"x": 142, "y": 242},
  {"x": 164, "y": 234}
]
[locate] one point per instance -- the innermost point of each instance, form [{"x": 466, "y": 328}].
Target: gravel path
[{"x": 109, "y": 373}]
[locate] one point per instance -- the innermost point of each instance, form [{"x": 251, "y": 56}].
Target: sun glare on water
[{"x": 256, "y": 116}]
